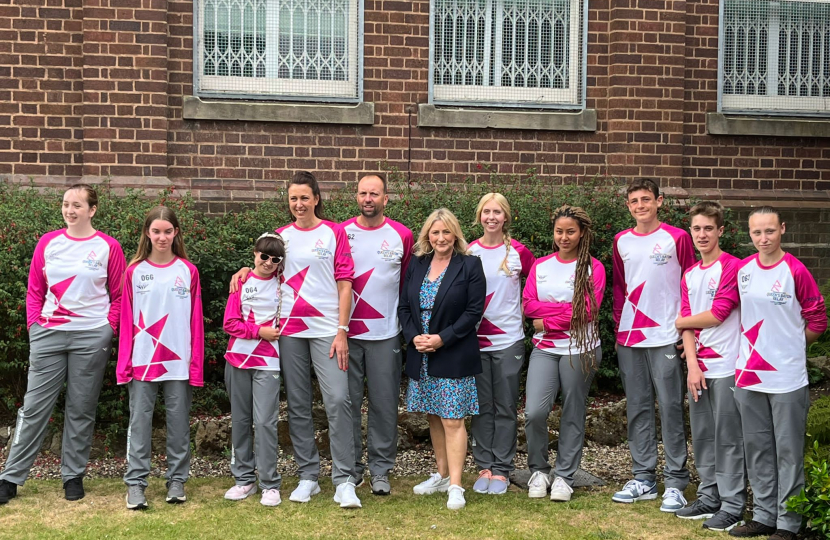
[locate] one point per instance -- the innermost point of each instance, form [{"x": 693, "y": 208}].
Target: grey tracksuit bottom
[
  {"x": 494, "y": 428},
  {"x": 547, "y": 375},
  {"x": 297, "y": 356},
  {"x": 379, "y": 364},
  {"x": 774, "y": 426},
  {"x": 719, "y": 446},
  {"x": 255, "y": 406},
  {"x": 77, "y": 358},
  {"x": 645, "y": 372},
  {"x": 177, "y": 399}
]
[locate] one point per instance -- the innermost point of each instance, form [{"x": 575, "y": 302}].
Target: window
[
  {"x": 520, "y": 53},
  {"x": 774, "y": 57},
  {"x": 285, "y": 49}
]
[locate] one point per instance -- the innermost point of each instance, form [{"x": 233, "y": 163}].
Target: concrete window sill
[
  {"x": 721, "y": 124},
  {"x": 434, "y": 117},
  {"x": 299, "y": 113}
]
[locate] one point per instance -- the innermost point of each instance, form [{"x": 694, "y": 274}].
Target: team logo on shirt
[
  {"x": 712, "y": 289},
  {"x": 777, "y": 296},
  {"x": 658, "y": 257},
  {"x": 320, "y": 250},
  {"x": 571, "y": 280},
  {"x": 180, "y": 288},
  {"x": 388, "y": 254},
  {"x": 92, "y": 262}
]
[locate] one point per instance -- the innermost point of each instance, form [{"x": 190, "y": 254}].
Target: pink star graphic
[
  {"x": 301, "y": 308},
  {"x": 641, "y": 320},
  {"x": 362, "y": 309},
  {"x": 486, "y": 327},
  {"x": 59, "y": 316},
  {"x": 749, "y": 376},
  {"x": 161, "y": 353}
]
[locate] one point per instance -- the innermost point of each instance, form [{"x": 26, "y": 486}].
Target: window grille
[
  {"x": 286, "y": 49},
  {"x": 527, "y": 53},
  {"x": 775, "y": 56}
]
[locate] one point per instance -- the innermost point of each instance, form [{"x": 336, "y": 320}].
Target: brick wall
[{"x": 94, "y": 88}]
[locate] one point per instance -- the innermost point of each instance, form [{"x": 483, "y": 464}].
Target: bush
[
  {"x": 818, "y": 420},
  {"x": 219, "y": 246},
  {"x": 814, "y": 500}
]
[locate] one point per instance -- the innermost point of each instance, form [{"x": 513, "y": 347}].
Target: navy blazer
[{"x": 459, "y": 305}]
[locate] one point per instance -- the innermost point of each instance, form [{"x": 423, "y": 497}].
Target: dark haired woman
[
  {"x": 161, "y": 348},
  {"x": 316, "y": 303},
  {"x": 72, "y": 311},
  {"x": 562, "y": 295}
]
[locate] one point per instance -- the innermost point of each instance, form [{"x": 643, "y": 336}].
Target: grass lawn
[{"x": 40, "y": 511}]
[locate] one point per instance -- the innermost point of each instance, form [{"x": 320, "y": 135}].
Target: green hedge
[{"x": 219, "y": 246}]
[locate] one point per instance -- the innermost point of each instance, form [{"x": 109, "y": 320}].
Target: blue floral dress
[{"x": 443, "y": 397}]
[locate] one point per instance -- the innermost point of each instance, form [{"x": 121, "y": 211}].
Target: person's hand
[
  {"x": 539, "y": 325},
  {"x": 420, "y": 342},
  {"x": 340, "y": 347},
  {"x": 241, "y": 275},
  {"x": 269, "y": 333},
  {"x": 696, "y": 382},
  {"x": 433, "y": 342}
]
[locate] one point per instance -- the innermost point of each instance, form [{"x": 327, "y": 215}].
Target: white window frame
[
  {"x": 772, "y": 103},
  {"x": 270, "y": 87},
  {"x": 572, "y": 97}
]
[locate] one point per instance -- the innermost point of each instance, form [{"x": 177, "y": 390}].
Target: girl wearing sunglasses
[{"x": 252, "y": 374}]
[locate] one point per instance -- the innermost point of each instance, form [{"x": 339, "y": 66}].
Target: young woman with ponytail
[
  {"x": 562, "y": 296},
  {"x": 501, "y": 339}
]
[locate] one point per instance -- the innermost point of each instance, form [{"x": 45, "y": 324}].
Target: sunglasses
[{"x": 274, "y": 259}]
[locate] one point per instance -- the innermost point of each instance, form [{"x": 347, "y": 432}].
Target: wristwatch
[{"x": 344, "y": 328}]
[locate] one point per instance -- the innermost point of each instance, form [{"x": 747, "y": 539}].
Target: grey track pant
[
  {"x": 494, "y": 428},
  {"x": 255, "y": 404},
  {"x": 297, "y": 356},
  {"x": 774, "y": 427},
  {"x": 719, "y": 446},
  {"x": 379, "y": 364},
  {"x": 547, "y": 375},
  {"x": 78, "y": 358},
  {"x": 177, "y": 399},
  {"x": 646, "y": 371}
]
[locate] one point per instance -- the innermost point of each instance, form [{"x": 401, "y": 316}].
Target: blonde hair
[
  {"x": 422, "y": 245},
  {"x": 145, "y": 247},
  {"x": 501, "y": 200}
]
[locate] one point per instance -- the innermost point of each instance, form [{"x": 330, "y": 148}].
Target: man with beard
[{"x": 381, "y": 249}]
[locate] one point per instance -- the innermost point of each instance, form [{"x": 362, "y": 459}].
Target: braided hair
[
  {"x": 585, "y": 312},
  {"x": 501, "y": 200}
]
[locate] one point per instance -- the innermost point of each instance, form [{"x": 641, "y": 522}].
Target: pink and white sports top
[
  {"x": 163, "y": 336},
  {"x": 647, "y": 271},
  {"x": 315, "y": 260},
  {"x": 714, "y": 288},
  {"x": 777, "y": 303},
  {"x": 255, "y": 304},
  {"x": 548, "y": 295},
  {"x": 69, "y": 279},
  {"x": 381, "y": 255},
  {"x": 501, "y": 325}
]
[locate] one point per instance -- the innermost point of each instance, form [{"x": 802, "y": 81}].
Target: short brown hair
[
  {"x": 710, "y": 209},
  {"x": 643, "y": 184},
  {"x": 766, "y": 210},
  {"x": 89, "y": 192},
  {"x": 380, "y": 176}
]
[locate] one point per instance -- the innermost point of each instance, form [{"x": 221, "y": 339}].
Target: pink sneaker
[
  {"x": 270, "y": 497},
  {"x": 237, "y": 493}
]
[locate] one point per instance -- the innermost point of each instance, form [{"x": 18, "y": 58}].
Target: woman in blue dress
[{"x": 441, "y": 303}]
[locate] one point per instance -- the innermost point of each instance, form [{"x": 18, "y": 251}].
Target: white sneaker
[
  {"x": 237, "y": 493},
  {"x": 345, "y": 496},
  {"x": 673, "y": 500},
  {"x": 305, "y": 491},
  {"x": 538, "y": 485},
  {"x": 270, "y": 497},
  {"x": 560, "y": 491},
  {"x": 455, "y": 499},
  {"x": 435, "y": 483}
]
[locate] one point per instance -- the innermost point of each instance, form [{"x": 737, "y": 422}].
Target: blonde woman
[
  {"x": 441, "y": 303},
  {"x": 501, "y": 339}
]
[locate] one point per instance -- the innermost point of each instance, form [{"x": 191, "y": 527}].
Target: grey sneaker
[
  {"x": 175, "y": 492},
  {"x": 135, "y": 498},
  {"x": 380, "y": 484},
  {"x": 722, "y": 521},
  {"x": 697, "y": 510}
]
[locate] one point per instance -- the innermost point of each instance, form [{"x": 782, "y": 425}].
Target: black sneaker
[
  {"x": 697, "y": 510},
  {"x": 73, "y": 489},
  {"x": 783, "y": 534},
  {"x": 752, "y": 528},
  {"x": 723, "y": 521},
  {"x": 8, "y": 491}
]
